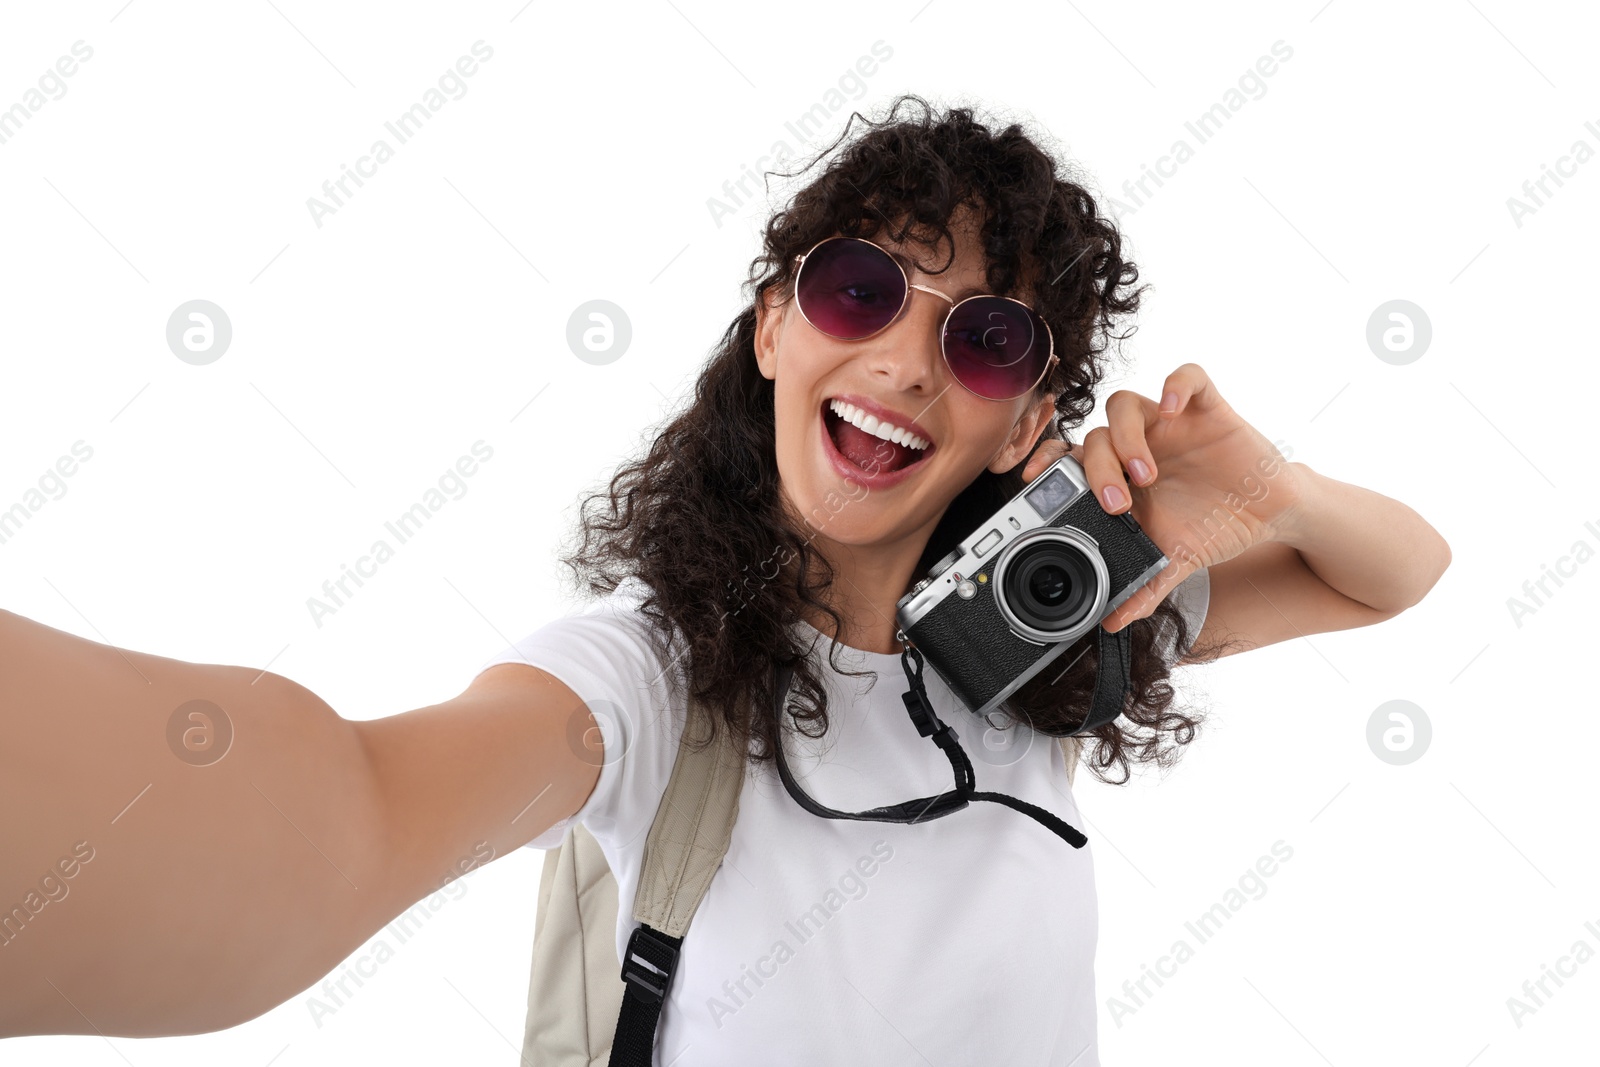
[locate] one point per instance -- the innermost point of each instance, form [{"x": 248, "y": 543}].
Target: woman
[{"x": 775, "y": 523}]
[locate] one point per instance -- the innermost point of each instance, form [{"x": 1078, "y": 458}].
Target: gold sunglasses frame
[{"x": 799, "y": 262}]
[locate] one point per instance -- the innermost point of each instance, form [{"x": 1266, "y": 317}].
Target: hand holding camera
[
  {"x": 1205, "y": 484},
  {"x": 1061, "y": 558}
]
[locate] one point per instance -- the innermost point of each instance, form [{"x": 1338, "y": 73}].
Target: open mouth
[{"x": 866, "y": 449}]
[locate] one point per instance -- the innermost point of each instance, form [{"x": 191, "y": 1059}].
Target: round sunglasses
[{"x": 851, "y": 288}]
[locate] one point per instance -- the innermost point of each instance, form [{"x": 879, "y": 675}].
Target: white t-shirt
[{"x": 962, "y": 940}]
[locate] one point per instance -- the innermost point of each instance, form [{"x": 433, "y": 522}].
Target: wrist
[{"x": 1303, "y": 491}]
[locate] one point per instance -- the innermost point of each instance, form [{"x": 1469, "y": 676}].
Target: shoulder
[
  {"x": 630, "y": 679},
  {"x": 605, "y": 643}
]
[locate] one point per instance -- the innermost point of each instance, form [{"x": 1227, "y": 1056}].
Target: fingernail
[
  {"x": 1169, "y": 402},
  {"x": 1113, "y": 497},
  {"x": 1140, "y": 472}
]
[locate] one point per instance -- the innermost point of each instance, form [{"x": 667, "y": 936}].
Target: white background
[{"x": 430, "y": 312}]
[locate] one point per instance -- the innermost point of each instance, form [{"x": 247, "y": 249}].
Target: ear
[
  {"x": 1025, "y": 434},
  {"x": 769, "y": 325}
]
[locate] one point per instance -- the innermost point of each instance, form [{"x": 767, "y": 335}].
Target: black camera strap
[{"x": 1111, "y": 688}]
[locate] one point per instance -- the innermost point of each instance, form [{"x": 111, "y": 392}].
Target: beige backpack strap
[
  {"x": 690, "y": 835},
  {"x": 687, "y": 841},
  {"x": 575, "y": 988}
]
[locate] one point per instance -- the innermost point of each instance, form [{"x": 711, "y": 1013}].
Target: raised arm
[{"x": 148, "y": 887}]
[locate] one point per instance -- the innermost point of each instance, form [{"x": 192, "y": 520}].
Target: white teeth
[{"x": 870, "y": 424}]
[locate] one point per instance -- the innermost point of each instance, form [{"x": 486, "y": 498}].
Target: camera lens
[{"x": 1050, "y": 586}]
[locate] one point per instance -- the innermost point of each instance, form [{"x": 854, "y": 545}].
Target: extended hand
[{"x": 1206, "y": 485}]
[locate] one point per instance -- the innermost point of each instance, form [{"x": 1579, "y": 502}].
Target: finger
[
  {"x": 1188, "y": 388},
  {"x": 1149, "y": 596},
  {"x": 1047, "y": 453},
  {"x": 1127, "y": 414},
  {"x": 1103, "y": 469}
]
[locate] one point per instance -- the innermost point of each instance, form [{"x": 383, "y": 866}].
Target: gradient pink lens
[
  {"x": 850, "y": 289},
  {"x": 996, "y": 347}
]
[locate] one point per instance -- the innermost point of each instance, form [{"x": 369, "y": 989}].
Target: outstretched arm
[
  {"x": 1344, "y": 557},
  {"x": 1291, "y": 552},
  {"x": 148, "y": 887}
]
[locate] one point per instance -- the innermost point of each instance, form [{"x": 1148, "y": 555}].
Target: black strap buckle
[
  {"x": 922, "y": 716},
  {"x": 649, "y": 962}
]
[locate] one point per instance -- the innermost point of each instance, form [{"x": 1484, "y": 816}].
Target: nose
[{"x": 909, "y": 355}]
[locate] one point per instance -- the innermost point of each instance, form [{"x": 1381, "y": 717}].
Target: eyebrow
[{"x": 906, "y": 262}]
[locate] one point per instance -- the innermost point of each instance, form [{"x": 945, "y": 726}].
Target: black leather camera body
[{"x": 1040, "y": 573}]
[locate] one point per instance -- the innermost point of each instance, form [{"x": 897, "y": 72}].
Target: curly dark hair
[{"x": 700, "y": 518}]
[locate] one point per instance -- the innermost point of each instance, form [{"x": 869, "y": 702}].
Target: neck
[{"x": 868, "y": 582}]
